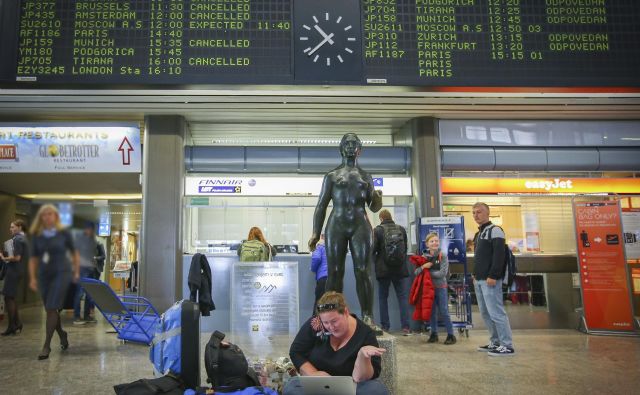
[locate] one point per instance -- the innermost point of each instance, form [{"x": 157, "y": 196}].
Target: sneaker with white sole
[
  {"x": 502, "y": 351},
  {"x": 78, "y": 321},
  {"x": 488, "y": 347}
]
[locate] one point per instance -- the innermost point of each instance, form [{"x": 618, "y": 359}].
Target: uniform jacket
[
  {"x": 382, "y": 270},
  {"x": 200, "y": 283},
  {"x": 422, "y": 292}
]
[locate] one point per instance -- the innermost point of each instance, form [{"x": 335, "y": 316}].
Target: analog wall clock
[{"x": 328, "y": 41}]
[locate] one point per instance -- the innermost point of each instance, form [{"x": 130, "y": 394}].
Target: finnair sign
[{"x": 281, "y": 186}]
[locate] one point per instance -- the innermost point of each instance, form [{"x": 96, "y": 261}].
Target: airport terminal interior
[{"x": 175, "y": 126}]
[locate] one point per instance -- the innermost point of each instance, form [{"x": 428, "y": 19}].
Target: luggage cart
[{"x": 460, "y": 303}]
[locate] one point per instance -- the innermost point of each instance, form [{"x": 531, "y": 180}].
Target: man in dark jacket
[
  {"x": 391, "y": 268},
  {"x": 488, "y": 272}
]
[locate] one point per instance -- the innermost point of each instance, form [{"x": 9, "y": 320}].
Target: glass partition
[{"x": 219, "y": 224}]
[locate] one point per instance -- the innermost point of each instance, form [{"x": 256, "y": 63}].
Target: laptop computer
[{"x": 327, "y": 385}]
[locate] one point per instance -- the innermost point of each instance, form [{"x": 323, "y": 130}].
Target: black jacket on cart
[{"x": 200, "y": 284}]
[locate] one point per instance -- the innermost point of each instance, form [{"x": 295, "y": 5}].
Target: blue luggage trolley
[{"x": 133, "y": 317}]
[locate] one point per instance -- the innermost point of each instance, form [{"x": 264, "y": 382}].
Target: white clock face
[{"x": 328, "y": 39}]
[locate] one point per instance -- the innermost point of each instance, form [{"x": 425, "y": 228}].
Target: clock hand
[
  {"x": 321, "y": 43},
  {"x": 323, "y": 34}
]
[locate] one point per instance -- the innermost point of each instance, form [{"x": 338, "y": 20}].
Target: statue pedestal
[{"x": 389, "y": 374}]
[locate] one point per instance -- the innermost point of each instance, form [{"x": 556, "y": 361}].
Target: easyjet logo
[{"x": 547, "y": 185}]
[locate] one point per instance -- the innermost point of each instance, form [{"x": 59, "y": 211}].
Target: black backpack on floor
[{"x": 227, "y": 366}]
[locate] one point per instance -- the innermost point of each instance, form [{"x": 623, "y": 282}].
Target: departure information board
[{"x": 437, "y": 43}]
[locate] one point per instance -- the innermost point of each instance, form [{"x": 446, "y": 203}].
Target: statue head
[{"x": 350, "y": 145}]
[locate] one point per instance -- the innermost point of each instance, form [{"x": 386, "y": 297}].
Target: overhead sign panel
[
  {"x": 440, "y": 43},
  {"x": 71, "y": 148},
  {"x": 281, "y": 186},
  {"x": 539, "y": 186}
]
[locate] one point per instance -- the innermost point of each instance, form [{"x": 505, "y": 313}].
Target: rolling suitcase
[{"x": 175, "y": 348}]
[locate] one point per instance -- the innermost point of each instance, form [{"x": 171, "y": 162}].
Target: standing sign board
[
  {"x": 631, "y": 227},
  {"x": 601, "y": 260},
  {"x": 264, "y": 300},
  {"x": 450, "y": 230},
  {"x": 70, "y": 148}
]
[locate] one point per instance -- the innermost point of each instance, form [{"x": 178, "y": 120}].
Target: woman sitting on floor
[{"x": 337, "y": 343}]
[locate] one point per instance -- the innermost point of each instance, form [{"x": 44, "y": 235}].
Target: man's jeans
[
  {"x": 492, "y": 310},
  {"x": 441, "y": 305},
  {"x": 88, "y": 302},
  {"x": 400, "y": 284}
]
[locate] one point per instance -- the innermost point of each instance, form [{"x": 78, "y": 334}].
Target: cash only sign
[
  {"x": 603, "y": 275},
  {"x": 70, "y": 148}
]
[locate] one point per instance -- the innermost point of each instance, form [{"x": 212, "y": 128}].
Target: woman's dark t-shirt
[
  {"x": 56, "y": 248},
  {"x": 307, "y": 347}
]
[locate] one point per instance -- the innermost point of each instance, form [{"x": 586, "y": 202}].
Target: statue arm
[
  {"x": 321, "y": 211},
  {"x": 374, "y": 198}
]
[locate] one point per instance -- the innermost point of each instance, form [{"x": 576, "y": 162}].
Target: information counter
[{"x": 221, "y": 268}]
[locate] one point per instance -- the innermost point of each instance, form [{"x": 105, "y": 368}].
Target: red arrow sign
[{"x": 125, "y": 145}]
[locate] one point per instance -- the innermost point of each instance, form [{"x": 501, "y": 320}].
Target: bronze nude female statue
[{"x": 350, "y": 188}]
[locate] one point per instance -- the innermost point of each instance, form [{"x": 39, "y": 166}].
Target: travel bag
[{"x": 175, "y": 348}]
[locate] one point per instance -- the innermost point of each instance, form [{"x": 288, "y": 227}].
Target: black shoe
[
  {"x": 502, "y": 351},
  {"x": 44, "y": 354},
  {"x": 9, "y": 332},
  {"x": 64, "y": 340},
  {"x": 451, "y": 339},
  {"x": 488, "y": 347},
  {"x": 433, "y": 338}
]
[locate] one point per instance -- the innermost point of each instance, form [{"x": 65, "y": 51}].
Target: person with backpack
[
  {"x": 319, "y": 267},
  {"x": 390, "y": 255},
  {"x": 256, "y": 248},
  {"x": 438, "y": 266},
  {"x": 488, "y": 273}
]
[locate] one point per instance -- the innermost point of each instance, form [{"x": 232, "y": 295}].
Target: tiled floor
[{"x": 547, "y": 362}]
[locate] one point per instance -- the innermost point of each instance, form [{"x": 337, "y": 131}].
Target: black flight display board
[{"x": 429, "y": 43}]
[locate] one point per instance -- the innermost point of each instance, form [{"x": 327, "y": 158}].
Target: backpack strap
[{"x": 216, "y": 339}]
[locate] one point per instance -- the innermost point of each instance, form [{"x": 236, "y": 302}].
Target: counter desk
[{"x": 221, "y": 265}]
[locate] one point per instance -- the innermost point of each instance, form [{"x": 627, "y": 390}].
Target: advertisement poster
[
  {"x": 631, "y": 227},
  {"x": 86, "y": 148},
  {"x": 635, "y": 276},
  {"x": 450, "y": 230},
  {"x": 532, "y": 232},
  {"x": 603, "y": 274},
  {"x": 264, "y": 299}
]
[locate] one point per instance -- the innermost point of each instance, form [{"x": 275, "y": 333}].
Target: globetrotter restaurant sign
[
  {"x": 70, "y": 148},
  {"x": 538, "y": 186}
]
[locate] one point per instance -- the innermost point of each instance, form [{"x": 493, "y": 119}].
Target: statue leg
[
  {"x": 336, "y": 249},
  {"x": 361, "y": 254}
]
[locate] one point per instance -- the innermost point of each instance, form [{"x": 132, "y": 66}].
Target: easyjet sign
[
  {"x": 547, "y": 185},
  {"x": 525, "y": 186}
]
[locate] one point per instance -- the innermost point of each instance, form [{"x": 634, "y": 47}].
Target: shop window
[
  {"x": 532, "y": 224},
  {"x": 219, "y": 224}
]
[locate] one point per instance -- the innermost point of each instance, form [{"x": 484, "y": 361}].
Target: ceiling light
[{"x": 61, "y": 196}]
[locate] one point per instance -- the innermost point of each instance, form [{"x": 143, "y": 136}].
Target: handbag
[{"x": 3, "y": 268}]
